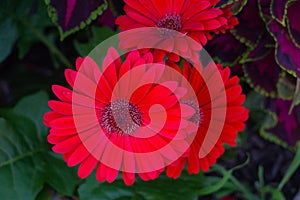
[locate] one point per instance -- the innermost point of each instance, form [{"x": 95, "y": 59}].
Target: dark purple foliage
[
  {"x": 70, "y": 15},
  {"x": 288, "y": 55},
  {"x": 293, "y": 22},
  {"x": 265, "y": 44},
  {"x": 107, "y": 19},
  {"x": 288, "y": 125},
  {"x": 250, "y": 26},
  {"x": 277, "y": 9},
  {"x": 226, "y": 49},
  {"x": 288, "y": 51},
  {"x": 263, "y": 74}
]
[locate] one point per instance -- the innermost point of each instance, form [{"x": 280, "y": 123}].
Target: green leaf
[
  {"x": 8, "y": 37},
  {"x": 291, "y": 170},
  {"x": 31, "y": 21},
  {"x": 98, "y": 35},
  {"x": 25, "y": 161},
  {"x": 276, "y": 194},
  {"x": 161, "y": 188},
  {"x": 40, "y": 20},
  {"x": 92, "y": 189},
  {"x": 19, "y": 153},
  {"x": 166, "y": 188},
  {"x": 296, "y": 100},
  {"x": 285, "y": 87},
  {"x": 58, "y": 175},
  {"x": 34, "y": 107},
  {"x": 215, "y": 186}
]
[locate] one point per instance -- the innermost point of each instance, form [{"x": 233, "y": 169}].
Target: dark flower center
[
  {"x": 121, "y": 117},
  {"x": 198, "y": 116},
  {"x": 170, "y": 21}
]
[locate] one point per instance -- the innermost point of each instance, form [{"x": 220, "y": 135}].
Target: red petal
[
  {"x": 128, "y": 178},
  {"x": 67, "y": 145},
  {"x": 87, "y": 166},
  {"x": 62, "y": 93},
  {"x": 60, "y": 107},
  {"x": 78, "y": 155}
]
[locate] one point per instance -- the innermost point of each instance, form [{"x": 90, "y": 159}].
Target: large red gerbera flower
[
  {"x": 195, "y": 18},
  {"x": 206, "y": 148},
  {"x": 120, "y": 118}
]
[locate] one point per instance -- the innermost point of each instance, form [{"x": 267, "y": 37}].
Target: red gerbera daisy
[
  {"x": 206, "y": 148},
  {"x": 120, "y": 118},
  {"x": 194, "y": 18}
]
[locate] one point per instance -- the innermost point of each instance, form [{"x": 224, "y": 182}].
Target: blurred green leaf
[
  {"x": 25, "y": 161},
  {"x": 98, "y": 35},
  {"x": 291, "y": 170},
  {"x": 276, "y": 194},
  {"x": 31, "y": 20},
  {"x": 20, "y": 151},
  {"x": 215, "y": 186},
  {"x": 92, "y": 189},
  {"x": 166, "y": 188},
  {"x": 34, "y": 107},
  {"x": 40, "y": 21},
  {"x": 8, "y": 37},
  {"x": 296, "y": 99},
  {"x": 161, "y": 188},
  {"x": 285, "y": 88},
  {"x": 58, "y": 175}
]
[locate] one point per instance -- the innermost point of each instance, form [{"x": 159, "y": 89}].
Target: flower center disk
[
  {"x": 197, "y": 117},
  {"x": 170, "y": 21},
  {"x": 121, "y": 117}
]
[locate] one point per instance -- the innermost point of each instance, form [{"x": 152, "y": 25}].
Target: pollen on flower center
[
  {"x": 198, "y": 115},
  {"x": 170, "y": 21},
  {"x": 120, "y": 117}
]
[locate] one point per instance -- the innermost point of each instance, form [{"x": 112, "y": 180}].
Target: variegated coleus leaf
[
  {"x": 283, "y": 23},
  {"x": 278, "y": 9},
  {"x": 293, "y": 22},
  {"x": 72, "y": 15},
  {"x": 287, "y": 125},
  {"x": 251, "y": 26},
  {"x": 287, "y": 53},
  {"x": 226, "y": 49},
  {"x": 237, "y": 5},
  {"x": 263, "y": 73},
  {"x": 108, "y": 18}
]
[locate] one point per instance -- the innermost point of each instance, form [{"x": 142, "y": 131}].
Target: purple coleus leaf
[
  {"x": 226, "y": 49},
  {"x": 260, "y": 68},
  {"x": 278, "y": 10},
  {"x": 287, "y": 53},
  {"x": 115, "y": 8},
  {"x": 236, "y": 7},
  {"x": 73, "y": 15},
  {"x": 285, "y": 34},
  {"x": 249, "y": 19},
  {"x": 107, "y": 19},
  {"x": 287, "y": 127},
  {"x": 293, "y": 22},
  {"x": 263, "y": 73}
]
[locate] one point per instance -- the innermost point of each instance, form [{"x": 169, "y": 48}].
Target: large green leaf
[
  {"x": 8, "y": 36},
  {"x": 26, "y": 163},
  {"x": 161, "y": 188},
  {"x": 19, "y": 174}
]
